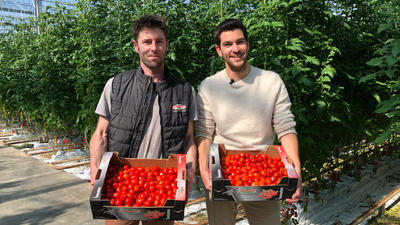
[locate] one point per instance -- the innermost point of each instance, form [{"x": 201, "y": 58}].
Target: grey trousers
[{"x": 257, "y": 212}]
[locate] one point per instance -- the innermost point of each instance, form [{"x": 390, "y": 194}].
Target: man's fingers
[{"x": 295, "y": 197}]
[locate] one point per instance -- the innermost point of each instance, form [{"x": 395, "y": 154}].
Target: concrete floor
[{"x": 31, "y": 192}]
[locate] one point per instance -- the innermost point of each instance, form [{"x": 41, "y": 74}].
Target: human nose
[
  {"x": 153, "y": 46},
  {"x": 235, "y": 48}
]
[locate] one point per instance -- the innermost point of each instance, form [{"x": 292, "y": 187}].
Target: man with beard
[
  {"x": 147, "y": 112},
  {"x": 244, "y": 108}
]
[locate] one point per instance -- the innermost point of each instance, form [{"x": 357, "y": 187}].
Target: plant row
[{"x": 340, "y": 62}]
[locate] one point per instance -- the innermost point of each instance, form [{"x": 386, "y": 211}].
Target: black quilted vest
[{"x": 130, "y": 103}]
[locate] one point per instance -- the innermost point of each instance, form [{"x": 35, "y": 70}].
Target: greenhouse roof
[{"x": 15, "y": 11}]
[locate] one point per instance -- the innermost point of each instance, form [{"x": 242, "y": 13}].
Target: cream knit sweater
[{"x": 246, "y": 114}]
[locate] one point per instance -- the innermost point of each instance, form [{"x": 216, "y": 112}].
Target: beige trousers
[
  {"x": 257, "y": 212},
  {"x": 136, "y": 222}
]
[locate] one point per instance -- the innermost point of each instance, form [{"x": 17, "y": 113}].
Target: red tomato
[
  {"x": 118, "y": 202},
  {"x": 128, "y": 202},
  {"x": 117, "y": 195},
  {"x": 139, "y": 201},
  {"x": 150, "y": 199}
]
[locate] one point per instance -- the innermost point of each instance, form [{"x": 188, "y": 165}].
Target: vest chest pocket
[
  {"x": 179, "y": 123},
  {"x": 174, "y": 125},
  {"x": 179, "y": 115}
]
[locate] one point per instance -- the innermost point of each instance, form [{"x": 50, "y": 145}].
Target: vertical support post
[
  {"x": 38, "y": 10},
  {"x": 38, "y": 7}
]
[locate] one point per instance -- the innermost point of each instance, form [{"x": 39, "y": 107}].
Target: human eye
[
  {"x": 227, "y": 44},
  {"x": 241, "y": 42},
  {"x": 147, "y": 42}
]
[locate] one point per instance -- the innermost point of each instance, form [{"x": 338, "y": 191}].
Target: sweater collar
[{"x": 240, "y": 82}]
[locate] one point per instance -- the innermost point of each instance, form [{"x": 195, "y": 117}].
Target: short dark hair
[
  {"x": 227, "y": 25},
  {"x": 150, "y": 21}
]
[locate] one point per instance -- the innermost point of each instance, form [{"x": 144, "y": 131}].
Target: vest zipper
[
  {"x": 142, "y": 113},
  {"x": 161, "y": 123}
]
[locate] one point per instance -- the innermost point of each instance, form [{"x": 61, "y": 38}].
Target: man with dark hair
[
  {"x": 150, "y": 21},
  {"x": 147, "y": 112},
  {"x": 226, "y": 25},
  {"x": 244, "y": 108}
]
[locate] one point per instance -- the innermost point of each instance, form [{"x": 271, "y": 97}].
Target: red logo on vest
[{"x": 179, "y": 107}]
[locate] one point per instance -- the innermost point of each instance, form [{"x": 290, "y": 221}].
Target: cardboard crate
[
  {"x": 173, "y": 209},
  {"x": 222, "y": 188}
]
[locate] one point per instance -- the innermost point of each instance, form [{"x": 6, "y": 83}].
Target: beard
[{"x": 152, "y": 64}]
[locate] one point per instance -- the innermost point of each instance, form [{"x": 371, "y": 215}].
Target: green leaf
[
  {"x": 389, "y": 73},
  {"x": 291, "y": 2},
  {"x": 325, "y": 86},
  {"x": 312, "y": 60},
  {"x": 307, "y": 82},
  {"x": 329, "y": 70},
  {"x": 382, "y": 50},
  {"x": 350, "y": 77},
  {"x": 295, "y": 47},
  {"x": 389, "y": 41},
  {"x": 295, "y": 70},
  {"x": 383, "y": 137},
  {"x": 321, "y": 104},
  {"x": 277, "y": 24},
  {"x": 346, "y": 25},
  {"x": 334, "y": 119},
  {"x": 390, "y": 60},
  {"x": 325, "y": 79},
  {"x": 296, "y": 41},
  {"x": 393, "y": 113},
  {"x": 381, "y": 83},
  {"x": 367, "y": 78},
  {"x": 384, "y": 27},
  {"x": 377, "y": 97},
  {"x": 375, "y": 62},
  {"x": 387, "y": 105},
  {"x": 277, "y": 62},
  {"x": 172, "y": 56},
  {"x": 396, "y": 50},
  {"x": 373, "y": 2}
]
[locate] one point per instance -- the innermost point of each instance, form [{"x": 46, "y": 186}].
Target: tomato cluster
[
  {"x": 139, "y": 186},
  {"x": 289, "y": 212},
  {"x": 244, "y": 169}
]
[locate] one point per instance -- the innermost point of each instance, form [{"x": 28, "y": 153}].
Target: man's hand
[
  {"x": 291, "y": 146},
  {"x": 205, "y": 177},
  {"x": 299, "y": 192},
  {"x": 190, "y": 170},
  {"x": 191, "y": 158},
  {"x": 203, "y": 145},
  {"x": 98, "y": 145}
]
